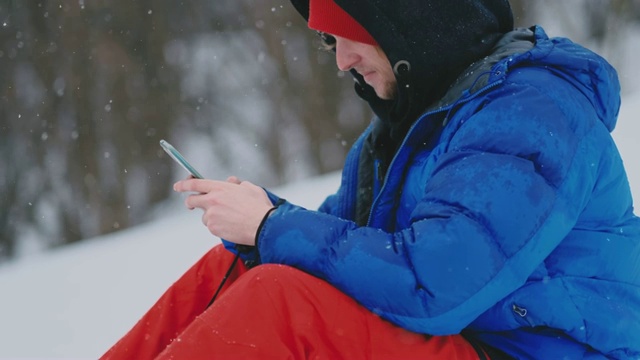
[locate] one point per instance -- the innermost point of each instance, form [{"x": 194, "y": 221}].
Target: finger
[
  {"x": 188, "y": 202},
  {"x": 195, "y": 185},
  {"x": 199, "y": 201},
  {"x": 205, "y": 219},
  {"x": 234, "y": 179},
  {"x": 248, "y": 184}
]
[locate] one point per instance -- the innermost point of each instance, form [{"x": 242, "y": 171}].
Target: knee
[
  {"x": 219, "y": 250},
  {"x": 278, "y": 277},
  {"x": 276, "y": 272}
]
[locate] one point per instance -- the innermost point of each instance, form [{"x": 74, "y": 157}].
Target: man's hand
[{"x": 233, "y": 209}]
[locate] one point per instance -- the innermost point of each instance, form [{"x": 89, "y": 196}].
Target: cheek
[
  {"x": 384, "y": 69},
  {"x": 389, "y": 77}
]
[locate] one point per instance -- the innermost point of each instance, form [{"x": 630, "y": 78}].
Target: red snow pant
[{"x": 270, "y": 312}]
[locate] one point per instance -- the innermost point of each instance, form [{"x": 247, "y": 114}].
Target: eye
[{"x": 327, "y": 41}]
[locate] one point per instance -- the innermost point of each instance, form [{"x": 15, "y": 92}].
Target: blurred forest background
[{"x": 88, "y": 88}]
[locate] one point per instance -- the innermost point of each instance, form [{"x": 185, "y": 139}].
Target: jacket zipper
[{"x": 460, "y": 101}]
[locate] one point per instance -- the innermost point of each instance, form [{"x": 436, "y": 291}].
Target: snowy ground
[{"x": 77, "y": 301}]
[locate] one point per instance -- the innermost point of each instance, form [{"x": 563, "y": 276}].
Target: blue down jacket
[{"x": 512, "y": 224}]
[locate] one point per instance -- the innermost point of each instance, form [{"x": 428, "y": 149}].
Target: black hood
[{"x": 428, "y": 43}]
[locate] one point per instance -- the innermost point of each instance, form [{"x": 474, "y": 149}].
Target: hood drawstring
[
  {"x": 404, "y": 110},
  {"x": 245, "y": 249},
  {"x": 224, "y": 279}
]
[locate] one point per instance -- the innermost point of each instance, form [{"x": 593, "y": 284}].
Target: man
[{"x": 484, "y": 213}]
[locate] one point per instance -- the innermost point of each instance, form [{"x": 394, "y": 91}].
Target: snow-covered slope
[{"x": 77, "y": 301}]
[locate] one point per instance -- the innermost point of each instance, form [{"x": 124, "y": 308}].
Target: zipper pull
[{"x": 522, "y": 312}]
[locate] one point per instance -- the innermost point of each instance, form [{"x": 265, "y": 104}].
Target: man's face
[{"x": 370, "y": 62}]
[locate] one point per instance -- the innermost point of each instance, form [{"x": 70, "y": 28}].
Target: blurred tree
[
  {"x": 608, "y": 27},
  {"x": 88, "y": 88},
  {"x": 264, "y": 57},
  {"x": 521, "y": 12},
  {"x": 86, "y": 97}
]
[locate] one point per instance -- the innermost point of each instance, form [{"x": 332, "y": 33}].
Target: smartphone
[{"x": 175, "y": 155}]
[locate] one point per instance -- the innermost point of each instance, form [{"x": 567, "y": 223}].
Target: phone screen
[{"x": 175, "y": 155}]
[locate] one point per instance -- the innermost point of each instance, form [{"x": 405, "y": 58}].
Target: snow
[{"x": 77, "y": 301}]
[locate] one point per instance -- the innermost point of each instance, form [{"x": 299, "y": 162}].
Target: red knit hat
[{"x": 326, "y": 16}]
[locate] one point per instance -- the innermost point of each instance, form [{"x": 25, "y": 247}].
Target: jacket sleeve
[{"x": 501, "y": 197}]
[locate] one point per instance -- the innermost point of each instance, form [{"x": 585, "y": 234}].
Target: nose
[{"x": 346, "y": 58}]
